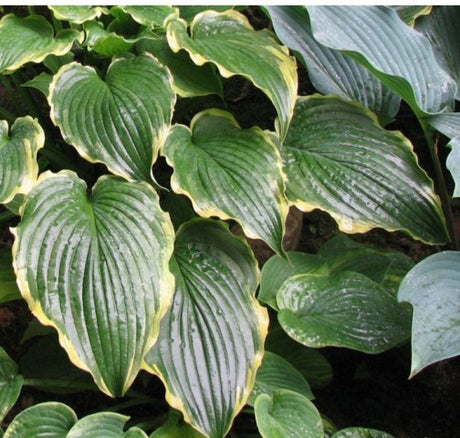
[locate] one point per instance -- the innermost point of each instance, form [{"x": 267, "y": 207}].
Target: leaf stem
[{"x": 31, "y": 10}]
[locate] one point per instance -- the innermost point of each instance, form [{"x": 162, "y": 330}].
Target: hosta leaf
[
  {"x": 103, "y": 42},
  {"x": 150, "y": 16},
  {"x": 409, "y": 14},
  {"x": 8, "y": 288},
  {"x": 104, "y": 425},
  {"x": 10, "y": 383},
  {"x": 344, "y": 309},
  {"x": 230, "y": 173},
  {"x": 361, "y": 432},
  {"x": 453, "y": 163},
  {"x": 30, "y": 39},
  {"x": 188, "y": 12},
  {"x": 287, "y": 414},
  {"x": 45, "y": 420},
  {"x": 77, "y": 14},
  {"x": 18, "y": 156},
  {"x": 441, "y": 28},
  {"x": 175, "y": 428},
  {"x": 331, "y": 71},
  {"x": 40, "y": 82},
  {"x": 227, "y": 40},
  {"x": 339, "y": 159},
  {"x": 278, "y": 269},
  {"x": 446, "y": 123},
  {"x": 120, "y": 120},
  {"x": 189, "y": 79},
  {"x": 402, "y": 58},
  {"x": 95, "y": 267},
  {"x": 277, "y": 373},
  {"x": 211, "y": 340},
  {"x": 433, "y": 289}
]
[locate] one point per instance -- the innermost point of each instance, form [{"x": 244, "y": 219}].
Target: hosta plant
[{"x": 135, "y": 139}]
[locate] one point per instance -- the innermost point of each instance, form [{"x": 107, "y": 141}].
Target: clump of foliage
[{"x": 124, "y": 160}]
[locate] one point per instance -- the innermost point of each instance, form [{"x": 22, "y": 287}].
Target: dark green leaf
[
  {"x": 105, "y": 43},
  {"x": 8, "y": 288},
  {"x": 409, "y": 14},
  {"x": 40, "y": 82},
  {"x": 176, "y": 428},
  {"x": 361, "y": 432},
  {"x": 10, "y": 383}
]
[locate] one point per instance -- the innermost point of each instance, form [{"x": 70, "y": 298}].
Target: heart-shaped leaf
[
  {"x": 361, "y": 432},
  {"x": 50, "y": 420},
  {"x": 18, "y": 156},
  {"x": 331, "y": 71},
  {"x": 95, "y": 267},
  {"x": 120, "y": 120},
  {"x": 10, "y": 383},
  {"x": 211, "y": 340},
  {"x": 377, "y": 38},
  {"x": 287, "y": 414},
  {"x": 339, "y": 159},
  {"x": 227, "y": 40},
  {"x": 230, "y": 173},
  {"x": 433, "y": 289},
  {"x": 77, "y": 14},
  {"x": 150, "y": 16},
  {"x": 30, "y": 39},
  {"x": 344, "y": 309},
  {"x": 8, "y": 288}
]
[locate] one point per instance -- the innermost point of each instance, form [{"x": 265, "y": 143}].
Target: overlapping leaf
[
  {"x": 433, "y": 288},
  {"x": 77, "y": 14},
  {"x": 150, "y": 16},
  {"x": 211, "y": 340},
  {"x": 104, "y": 42},
  {"x": 95, "y": 267},
  {"x": 409, "y": 14},
  {"x": 120, "y": 120},
  {"x": 402, "y": 58},
  {"x": 230, "y": 173},
  {"x": 18, "y": 156},
  {"x": 30, "y": 39},
  {"x": 339, "y": 159},
  {"x": 227, "y": 40},
  {"x": 8, "y": 288},
  {"x": 331, "y": 71},
  {"x": 10, "y": 383},
  {"x": 174, "y": 427}
]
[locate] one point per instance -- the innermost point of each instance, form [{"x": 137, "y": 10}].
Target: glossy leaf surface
[
  {"x": 8, "y": 288},
  {"x": 331, "y": 71},
  {"x": 287, "y": 414},
  {"x": 30, "y": 39},
  {"x": 433, "y": 289},
  {"x": 211, "y": 340},
  {"x": 227, "y": 40},
  {"x": 230, "y": 173},
  {"x": 120, "y": 120},
  {"x": 398, "y": 55},
  {"x": 44, "y": 420},
  {"x": 339, "y": 159},
  {"x": 76, "y": 14},
  {"x": 18, "y": 156},
  {"x": 10, "y": 383},
  {"x": 95, "y": 267},
  {"x": 344, "y": 309}
]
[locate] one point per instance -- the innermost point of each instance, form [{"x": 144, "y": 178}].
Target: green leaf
[
  {"x": 104, "y": 425},
  {"x": 361, "y": 432},
  {"x": 95, "y": 267},
  {"x": 231, "y": 173},
  {"x": 105, "y": 43},
  {"x": 77, "y": 14},
  {"x": 8, "y": 288},
  {"x": 453, "y": 164},
  {"x": 446, "y": 123},
  {"x": 227, "y": 40},
  {"x": 53, "y": 63},
  {"x": 433, "y": 289},
  {"x": 409, "y": 14},
  {"x": 18, "y": 156},
  {"x": 150, "y": 16},
  {"x": 441, "y": 28},
  {"x": 189, "y": 79},
  {"x": 377, "y": 38},
  {"x": 121, "y": 120},
  {"x": 45, "y": 420},
  {"x": 10, "y": 383},
  {"x": 188, "y": 12},
  {"x": 176, "y": 428},
  {"x": 344, "y": 309},
  {"x": 277, "y": 373},
  {"x": 287, "y": 414},
  {"x": 339, "y": 159},
  {"x": 278, "y": 269},
  {"x": 211, "y": 340},
  {"x": 40, "y": 82},
  {"x": 31, "y": 39},
  {"x": 331, "y": 71}
]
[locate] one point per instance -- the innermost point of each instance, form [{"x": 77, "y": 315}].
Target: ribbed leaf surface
[
  {"x": 433, "y": 289},
  {"x": 227, "y": 40},
  {"x": 287, "y": 414},
  {"x": 211, "y": 340},
  {"x": 10, "y": 383},
  {"x": 30, "y": 39},
  {"x": 230, "y": 173},
  {"x": 398, "y": 55},
  {"x": 18, "y": 156},
  {"x": 331, "y": 71},
  {"x": 339, "y": 159},
  {"x": 446, "y": 123},
  {"x": 45, "y": 420},
  {"x": 361, "y": 432},
  {"x": 76, "y": 14},
  {"x": 120, "y": 120},
  {"x": 344, "y": 309},
  {"x": 95, "y": 267}
]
